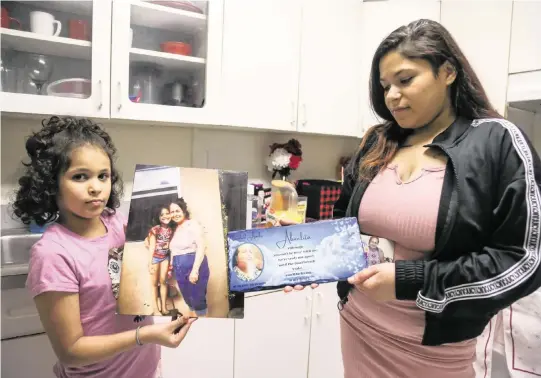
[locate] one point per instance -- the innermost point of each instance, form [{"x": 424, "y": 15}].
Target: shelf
[
  {"x": 80, "y": 7},
  {"x": 167, "y": 18},
  {"x": 47, "y": 45},
  {"x": 166, "y": 60}
]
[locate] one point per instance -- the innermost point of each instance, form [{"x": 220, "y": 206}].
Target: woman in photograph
[
  {"x": 158, "y": 245},
  {"x": 375, "y": 253},
  {"x": 455, "y": 186},
  {"x": 190, "y": 264},
  {"x": 247, "y": 262}
]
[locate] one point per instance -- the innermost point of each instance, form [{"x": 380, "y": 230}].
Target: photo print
[{"x": 175, "y": 257}]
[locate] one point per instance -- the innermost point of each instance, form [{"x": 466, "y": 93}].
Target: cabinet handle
[
  {"x": 292, "y": 113},
  {"x": 319, "y": 300},
  {"x": 304, "y": 114},
  {"x": 100, "y": 91},
  {"x": 119, "y": 96}
]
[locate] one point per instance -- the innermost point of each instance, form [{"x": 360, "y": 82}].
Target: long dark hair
[
  {"x": 428, "y": 40},
  {"x": 49, "y": 150}
]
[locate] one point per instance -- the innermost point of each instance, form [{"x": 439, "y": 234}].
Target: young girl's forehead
[{"x": 89, "y": 157}]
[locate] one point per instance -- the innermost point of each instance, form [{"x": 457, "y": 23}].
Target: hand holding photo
[{"x": 324, "y": 251}]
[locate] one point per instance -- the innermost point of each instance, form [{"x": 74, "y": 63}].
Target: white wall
[
  {"x": 184, "y": 146},
  {"x": 529, "y": 122}
]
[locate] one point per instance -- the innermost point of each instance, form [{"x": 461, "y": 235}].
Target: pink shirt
[
  {"x": 383, "y": 339},
  {"x": 64, "y": 261},
  {"x": 185, "y": 238}
]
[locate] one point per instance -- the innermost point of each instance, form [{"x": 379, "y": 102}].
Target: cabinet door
[
  {"x": 206, "y": 352},
  {"x": 166, "y": 61},
  {"x": 272, "y": 340},
  {"x": 379, "y": 20},
  {"x": 260, "y": 63},
  {"x": 525, "y": 32},
  {"x": 30, "y": 356},
  {"x": 325, "y": 348},
  {"x": 330, "y": 67},
  {"x": 487, "y": 49},
  {"x": 58, "y": 62}
]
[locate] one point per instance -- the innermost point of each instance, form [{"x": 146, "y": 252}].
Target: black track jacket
[{"x": 487, "y": 251}]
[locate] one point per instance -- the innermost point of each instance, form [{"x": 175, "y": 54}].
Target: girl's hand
[
  {"x": 194, "y": 276},
  {"x": 166, "y": 334},
  {"x": 377, "y": 281},
  {"x": 152, "y": 268}
]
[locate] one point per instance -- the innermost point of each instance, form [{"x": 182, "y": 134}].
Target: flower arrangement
[{"x": 284, "y": 157}]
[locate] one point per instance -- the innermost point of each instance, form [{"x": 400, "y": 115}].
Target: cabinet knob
[
  {"x": 119, "y": 96},
  {"x": 100, "y": 93}
]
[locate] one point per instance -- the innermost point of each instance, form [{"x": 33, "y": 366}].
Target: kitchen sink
[{"x": 15, "y": 250}]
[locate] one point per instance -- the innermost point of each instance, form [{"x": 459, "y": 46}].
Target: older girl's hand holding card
[{"x": 377, "y": 281}]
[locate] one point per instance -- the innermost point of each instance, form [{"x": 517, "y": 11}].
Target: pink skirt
[{"x": 383, "y": 340}]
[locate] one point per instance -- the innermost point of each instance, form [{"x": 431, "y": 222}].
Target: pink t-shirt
[{"x": 64, "y": 261}]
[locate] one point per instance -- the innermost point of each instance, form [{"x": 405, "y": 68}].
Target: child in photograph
[
  {"x": 190, "y": 264},
  {"x": 158, "y": 239},
  {"x": 72, "y": 183}
]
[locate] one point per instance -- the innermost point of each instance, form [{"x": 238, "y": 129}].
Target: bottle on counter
[{"x": 283, "y": 204}]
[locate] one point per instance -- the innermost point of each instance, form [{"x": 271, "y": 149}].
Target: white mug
[{"x": 43, "y": 23}]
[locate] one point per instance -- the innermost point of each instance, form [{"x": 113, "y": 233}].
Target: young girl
[
  {"x": 159, "y": 237},
  {"x": 72, "y": 182}
]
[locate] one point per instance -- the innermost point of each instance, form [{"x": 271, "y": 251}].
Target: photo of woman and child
[
  {"x": 178, "y": 262},
  {"x": 174, "y": 259}
]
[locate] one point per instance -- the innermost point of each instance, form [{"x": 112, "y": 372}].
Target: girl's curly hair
[{"x": 49, "y": 151}]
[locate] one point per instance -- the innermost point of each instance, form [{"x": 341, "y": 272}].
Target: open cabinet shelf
[
  {"x": 166, "y": 60},
  {"x": 43, "y": 44},
  {"x": 166, "y": 18}
]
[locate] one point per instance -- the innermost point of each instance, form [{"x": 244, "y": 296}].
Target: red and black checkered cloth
[
  {"x": 328, "y": 197},
  {"x": 321, "y": 194}
]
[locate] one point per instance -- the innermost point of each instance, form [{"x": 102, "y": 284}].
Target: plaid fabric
[{"x": 328, "y": 197}]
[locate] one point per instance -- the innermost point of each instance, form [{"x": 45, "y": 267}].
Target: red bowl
[{"x": 180, "y": 48}]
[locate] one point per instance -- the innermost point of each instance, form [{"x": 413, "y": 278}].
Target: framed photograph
[{"x": 175, "y": 257}]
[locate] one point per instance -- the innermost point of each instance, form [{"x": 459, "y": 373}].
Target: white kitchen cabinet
[
  {"x": 325, "y": 346},
  {"x": 330, "y": 64},
  {"x": 525, "y": 54},
  {"x": 152, "y": 82},
  {"x": 29, "y": 356},
  {"x": 292, "y": 65},
  {"x": 260, "y": 63},
  {"x": 71, "y": 70},
  {"x": 295, "y": 335},
  {"x": 379, "y": 19},
  {"x": 487, "y": 49},
  {"x": 273, "y": 339},
  {"x": 206, "y": 352}
]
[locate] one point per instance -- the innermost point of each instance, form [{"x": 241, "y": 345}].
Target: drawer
[
  {"x": 19, "y": 314},
  {"x": 28, "y": 357}
]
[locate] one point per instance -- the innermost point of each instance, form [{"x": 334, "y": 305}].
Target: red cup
[
  {"x": 6, "y": 20},
  {"x": 79, "y": 29}
]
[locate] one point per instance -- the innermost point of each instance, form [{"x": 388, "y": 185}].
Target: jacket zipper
[{"x": 448, "y": 226}]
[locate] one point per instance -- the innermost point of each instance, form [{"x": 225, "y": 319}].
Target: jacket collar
[{"x": 450, "y": 135}]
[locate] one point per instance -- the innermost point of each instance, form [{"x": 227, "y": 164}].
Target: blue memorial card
[{"x": 319, "y": 252}]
